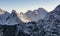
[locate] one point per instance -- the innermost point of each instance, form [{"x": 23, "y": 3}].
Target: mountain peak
[
  {"x": 58, "y": 6},
  {"x": 40, "y": 8},
  {"x": 29, "y": 11},
  {"x": 14, "y": 11},
  {"x": 57, "y": 10}
]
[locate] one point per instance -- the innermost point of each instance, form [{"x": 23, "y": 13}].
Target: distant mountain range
[
  {"x": 29, "y": 16},
  {"x": 35, "y": 15},
  {"x": 32, "y": 23}
]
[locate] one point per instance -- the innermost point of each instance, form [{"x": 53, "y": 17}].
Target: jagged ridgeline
[{"x": 11, "y": 24}]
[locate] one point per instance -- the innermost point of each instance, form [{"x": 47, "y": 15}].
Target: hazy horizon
[{"x": 24, "y": 5}]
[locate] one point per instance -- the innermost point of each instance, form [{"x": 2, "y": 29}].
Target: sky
[{"x": 24, "y": 5}]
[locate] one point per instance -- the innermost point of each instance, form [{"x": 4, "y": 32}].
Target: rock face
[{"x": 9, "y": 30}]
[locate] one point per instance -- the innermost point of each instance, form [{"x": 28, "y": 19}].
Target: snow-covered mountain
[
  {"x": 51, "y": 23},
  {"x": 13, "y": 19},
  {"x": 3, "y": 15},
  {"x": 34, "y": 15},
  {"x": 49, "y": 26},
  {"x": 9, "y": 18}
]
